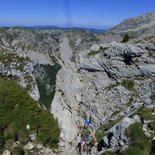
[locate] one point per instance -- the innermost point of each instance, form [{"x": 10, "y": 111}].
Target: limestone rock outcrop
[{"x": 117, "y": 138}]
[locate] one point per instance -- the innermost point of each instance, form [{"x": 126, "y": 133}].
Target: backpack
[{"x": 88, "y": 117}]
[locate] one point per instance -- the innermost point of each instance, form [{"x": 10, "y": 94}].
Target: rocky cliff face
[{"x": 112, "y": 81}]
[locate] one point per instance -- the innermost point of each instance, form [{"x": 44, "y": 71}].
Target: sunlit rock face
[{"x": 108, "y": 79}]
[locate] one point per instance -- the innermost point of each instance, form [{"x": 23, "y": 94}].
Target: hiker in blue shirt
[{"x": 87, "y": 133}]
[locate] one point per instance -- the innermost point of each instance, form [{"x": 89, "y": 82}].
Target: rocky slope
[
  {"x": 72, "y": 72},
  {"x": 141, "y": 25}
]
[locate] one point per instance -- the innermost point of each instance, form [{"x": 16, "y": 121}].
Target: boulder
[
  {"x": 119, "y": 50},
  {"x": 39, "y": 146},
  {"x": 148, "y": 70},
  {"x": 32, "y": 137},
  {"x": 94, "y": 47},
  {"x": 29, "y": 146},
  {"x": 117, "y": 139},
  {"x": 6, "y": 152}
]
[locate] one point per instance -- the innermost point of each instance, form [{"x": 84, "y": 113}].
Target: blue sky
[{"x": 87, "y": 13}]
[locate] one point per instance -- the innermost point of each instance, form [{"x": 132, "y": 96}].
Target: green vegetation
[
  {"x": 152, "y": 97},
  {"x": 3, "y": 29},
  {"x": 108, "y": 153},
  {"x": 18, "y": 63},
  {"x": 150, "y": 54},
  {"x": 29, "y": 80},
  {"x": 111, "y": 86},
  {"x": 131, "y": 99},
  {"x": 17, "y": 151},
  {"x": 48, "y": 77},
  {"x": 93, "y": 53},
  {"x": 144, "y": 40},
  {"x": 141, "y": 144},
  {"x": 116, "y": 112},
  {"x": 7, "y": 58},
  {"x": 126, "y": 38},
  {"x": 103, "y": 48},
  {"x": 128, "y": 84},
  {"x": 139, "y": 78},
  {"x": 17, "y": 110},
  {"x": 146, "y": 113}
]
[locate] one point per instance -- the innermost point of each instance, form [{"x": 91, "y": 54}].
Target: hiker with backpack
[{"x": 87, "y": 133}]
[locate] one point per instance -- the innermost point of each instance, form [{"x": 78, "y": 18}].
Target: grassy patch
[
  {"x": 141, "y": 144},
  {"x": 8, "y": 58},
  {"x": 150, "y": 54},
  {"x": 116, "y": 112},
  {"x": 146, "y": 113},
  {"x": 103, "y": 48},
  {"x": 93, "y": 53},
  {"x": 131, "y": 99},
  {"x": 152, "y": 97},
  {"x": 17, "y": 110},
  {"x": 46, "y": 84},
  {"x": 139, "y": 78},
  {"x": 29, "y": 80},
  {"x": 111, "y": 86},
  {"x": 108, "y": 153},
  {"x": 17, "y": 151},
  {"x": 128, "y": 84}
]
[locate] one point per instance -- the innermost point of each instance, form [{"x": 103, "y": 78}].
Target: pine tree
[{"x": 126, "y": 38}]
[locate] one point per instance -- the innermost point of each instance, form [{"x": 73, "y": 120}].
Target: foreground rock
[{"x": 117, "y": 138}]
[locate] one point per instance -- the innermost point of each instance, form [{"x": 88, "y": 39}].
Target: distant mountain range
[{"x": 51, "y": 27}]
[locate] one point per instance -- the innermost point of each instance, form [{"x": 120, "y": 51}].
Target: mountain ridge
[{"x": 141, "y": 24}]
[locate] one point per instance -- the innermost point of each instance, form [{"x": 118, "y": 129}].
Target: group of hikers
[{"x": 87, "y": 132}]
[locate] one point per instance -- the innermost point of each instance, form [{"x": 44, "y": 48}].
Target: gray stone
[
  {"x": 6, "y": 152},
  {"x": 32, "y": 137},
  {"x": 39, "y": 146},
  {"x": 148, "y": 70},
  {"x": 29, "y": 146},
  {"x": 118, "y": 139},
  {"x": 95, "y": 47},
  {"x": 148, "y": 134}
]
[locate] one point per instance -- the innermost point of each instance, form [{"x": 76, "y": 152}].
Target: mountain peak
[{"x": 137, "y": 24}]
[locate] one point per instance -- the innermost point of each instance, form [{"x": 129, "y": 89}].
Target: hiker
[{"x": 87, "y": 131}]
